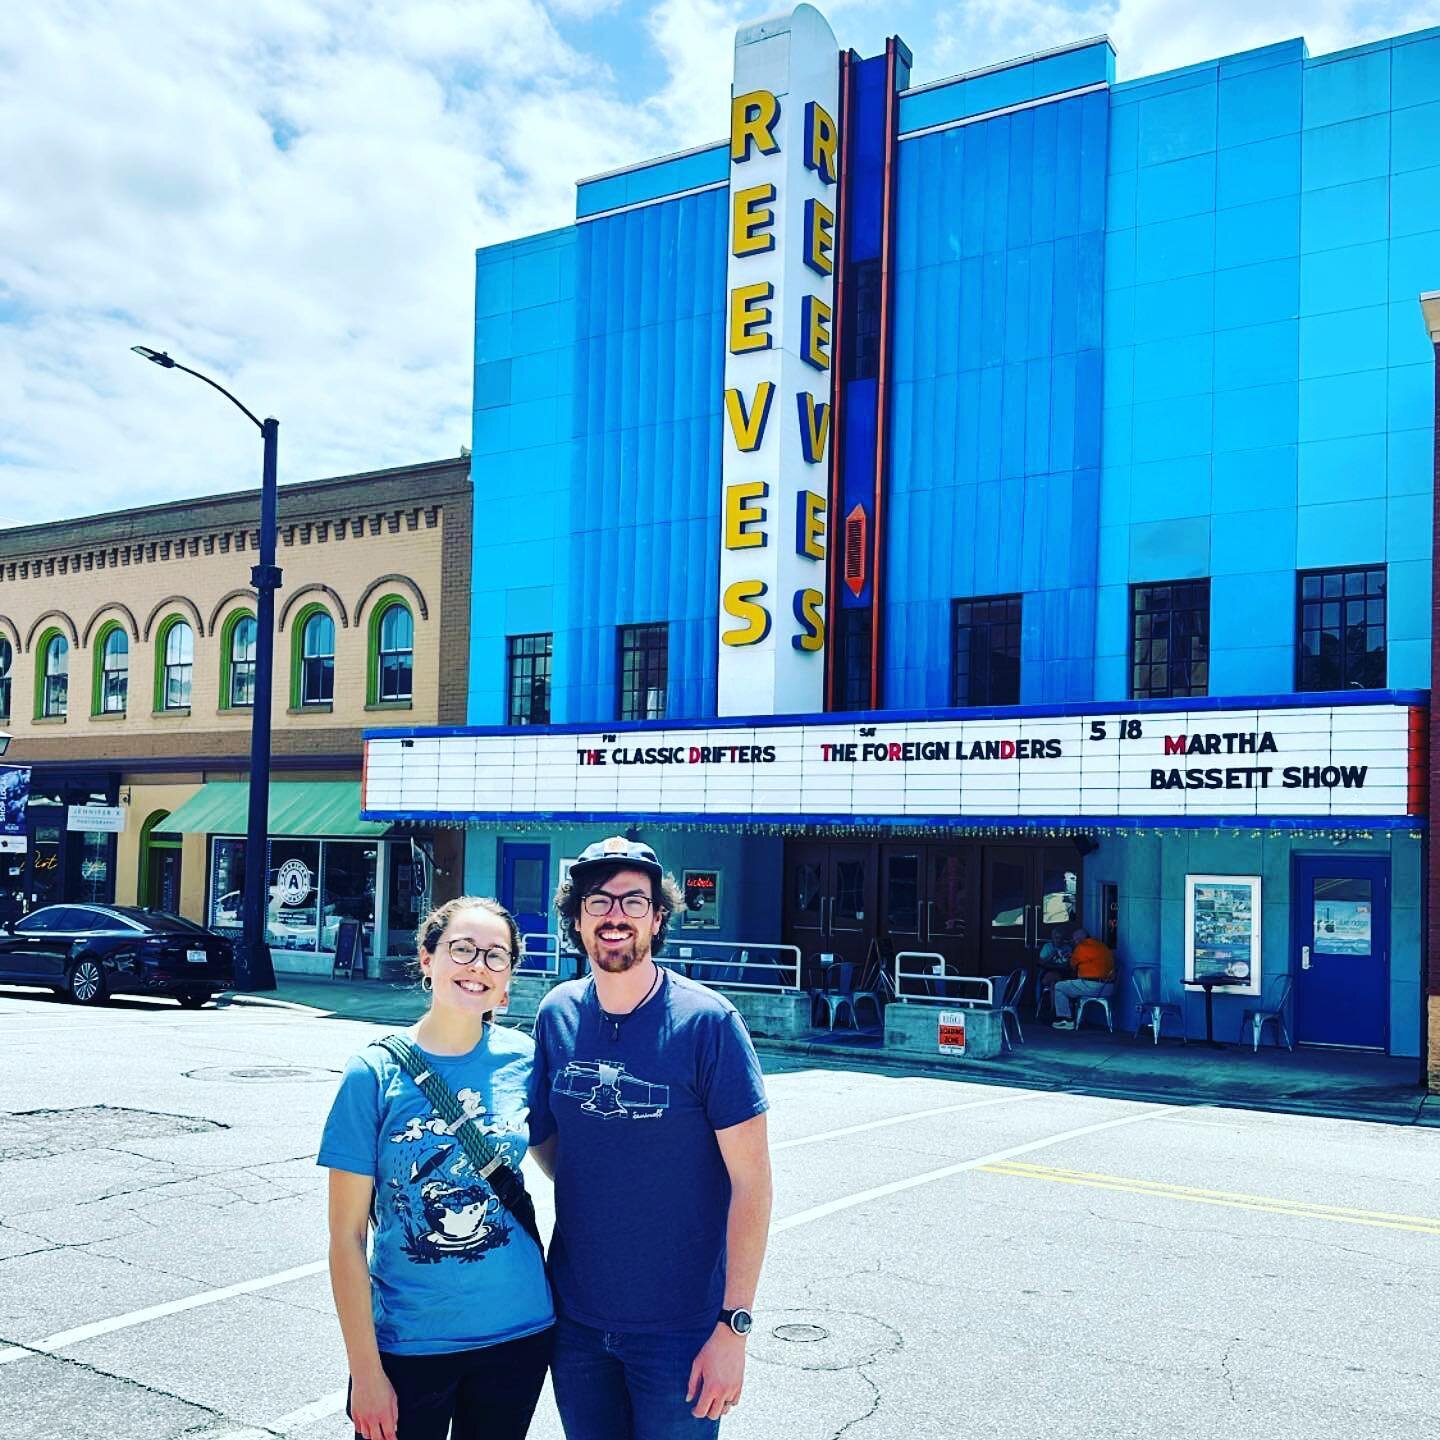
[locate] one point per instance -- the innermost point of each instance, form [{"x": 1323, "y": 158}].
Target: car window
[
  {"x": 109, "y": 920},
  {"x": 39, "y": 922},
  {"x": 76, "y": 917},
  {"x": 163, "y": 922}
]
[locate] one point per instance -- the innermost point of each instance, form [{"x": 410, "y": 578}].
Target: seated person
[
  {"x": 1094, "y": 965},
  {"x": 1053, "y": 962}
]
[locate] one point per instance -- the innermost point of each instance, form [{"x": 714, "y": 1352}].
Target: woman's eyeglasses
[
  {"x": 467, "y": 952},
  {"x": 602, "y": 902}
]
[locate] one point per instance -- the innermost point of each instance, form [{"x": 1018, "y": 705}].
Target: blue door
[
  {"x": 1341, "y": 965},
  {"x": 525, "y": 890}
]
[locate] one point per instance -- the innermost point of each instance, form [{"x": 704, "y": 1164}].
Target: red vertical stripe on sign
[
  {"x": 882, "y": 384},
  {"x": 1419, "y": 758},
  {"x": 837, "y": 381}
]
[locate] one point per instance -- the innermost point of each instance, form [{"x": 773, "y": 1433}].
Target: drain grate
[
  {"x": 262, "y": 1073},
  {"x": 801, "y": 1334}
]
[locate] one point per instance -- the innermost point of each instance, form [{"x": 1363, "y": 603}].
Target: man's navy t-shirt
[{"x": 642, "y": 1195}]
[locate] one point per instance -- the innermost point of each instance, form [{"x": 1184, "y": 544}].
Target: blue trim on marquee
[
  {"x": 937, "y": 822},
  {"x": 1314, "y": 699}
]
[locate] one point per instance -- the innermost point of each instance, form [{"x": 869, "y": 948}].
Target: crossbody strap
[{"x": 486, "y": 1158}]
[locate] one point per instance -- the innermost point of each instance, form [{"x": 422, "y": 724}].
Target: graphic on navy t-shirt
[
  {"x": 610, "y": 1091},
  {"x": 443, "y": 1207}
]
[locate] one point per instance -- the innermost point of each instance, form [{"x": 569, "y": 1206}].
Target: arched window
[
  {"x": 55, "y": 690},
  {"x": 395, "y": 653},
  {"x": 317, "y": 660},
  {"x": 242, "y": 662},
  {"x": 114, "y": 684},
  {"x": 178, "y": 665},
  {"x": 7, "y": 660}
]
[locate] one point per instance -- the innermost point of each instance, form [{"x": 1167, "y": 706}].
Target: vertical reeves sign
[{"x": 784, "y": 149}]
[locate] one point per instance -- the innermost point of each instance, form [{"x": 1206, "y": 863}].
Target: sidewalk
[{"x": 1340, "y": 1084}]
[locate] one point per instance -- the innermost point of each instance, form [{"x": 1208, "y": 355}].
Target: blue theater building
[{"x": 933, "y": 514}]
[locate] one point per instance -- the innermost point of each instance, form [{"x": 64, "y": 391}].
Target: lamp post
[{"x": 253, "y": 968}]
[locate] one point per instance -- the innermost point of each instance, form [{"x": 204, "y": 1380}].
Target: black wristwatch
[{"x": 741, "y": 1321}]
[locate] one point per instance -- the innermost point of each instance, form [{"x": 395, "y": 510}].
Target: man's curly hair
[{"x": 665, "y": 895}]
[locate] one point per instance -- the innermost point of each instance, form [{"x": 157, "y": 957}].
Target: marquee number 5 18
[{"x": 1129, "y": 730}]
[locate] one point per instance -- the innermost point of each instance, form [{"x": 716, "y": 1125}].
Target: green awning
[{"x": 297, "y": 807}]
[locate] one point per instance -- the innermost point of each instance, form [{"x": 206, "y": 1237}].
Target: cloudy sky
[{"x": 288, "y": 194}]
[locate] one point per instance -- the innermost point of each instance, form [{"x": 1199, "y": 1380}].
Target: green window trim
[
  {"x": 41, "y": 651},
  {"x": 97, "y": 670},
  {"x": 227, "y": 636},
  {"x": 372, "y": 647},
  {"x": 162, "y": 634},
  {"x": 149, "y": 843},
  {"x": 297, "y": 654}
]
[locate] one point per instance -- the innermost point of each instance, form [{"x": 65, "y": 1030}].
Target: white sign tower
[{"x": 784, "y": 169}]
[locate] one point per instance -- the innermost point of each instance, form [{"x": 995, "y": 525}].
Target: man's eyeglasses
[
  {"x": 467, "y": 952},
  {"x": 602, "y": 902}
]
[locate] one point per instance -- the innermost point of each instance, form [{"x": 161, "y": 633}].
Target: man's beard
[{"x": 616, "y": 959}]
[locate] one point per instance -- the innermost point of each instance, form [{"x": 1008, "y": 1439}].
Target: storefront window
[
  {"x": 405, "y": 884},
  {"x": 227, "y": 887},
  {"x": 349, "y": 891},
  {"x": 96, "y": 886},
  {"x": 294, "y": 902}
]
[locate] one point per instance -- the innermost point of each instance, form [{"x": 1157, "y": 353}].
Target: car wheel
[
  {"x": 87, "y": 982},
  {"x": 192, "y": 999}
]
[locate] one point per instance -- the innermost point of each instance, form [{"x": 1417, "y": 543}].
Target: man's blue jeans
[{"x": 612, "y": 1386}]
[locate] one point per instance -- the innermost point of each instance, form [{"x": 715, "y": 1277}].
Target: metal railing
[
  {"x": 920, "y": 986},
  {"x": 539, "y": 955},
  {"x": 736, "y": 964}
]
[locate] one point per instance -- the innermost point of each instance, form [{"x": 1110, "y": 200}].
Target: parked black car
[{"x": 90, "y": 952}]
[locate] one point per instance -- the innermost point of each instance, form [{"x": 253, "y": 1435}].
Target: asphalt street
[{"x": 947, "y": 1258}]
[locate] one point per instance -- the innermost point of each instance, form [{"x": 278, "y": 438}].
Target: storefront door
[
  {"x": 1341, "y": 930},
  {"x": 1026, "y": 892},
  {"x": 830, "y": 893},
  {"x": 525, "y": 889},
  {"x": 927, "y": 900}
]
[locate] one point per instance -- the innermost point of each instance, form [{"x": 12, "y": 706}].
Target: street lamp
[{"x": 253, "y": 968}]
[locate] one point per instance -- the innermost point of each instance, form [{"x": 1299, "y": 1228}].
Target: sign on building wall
[
  {"x": 105, "y": 819},
  {"x": 1319, "y": 761},
  {"x": 784, "y": 168},
  {"x": 14, "y": 796},
  {"x": 1222, "y": 932}
]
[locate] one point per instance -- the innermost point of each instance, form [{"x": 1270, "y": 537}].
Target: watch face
[{"x": 741, "y": 1321}]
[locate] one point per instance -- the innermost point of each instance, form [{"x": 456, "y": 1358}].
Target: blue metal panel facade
[
  {"x": 644, "y": 509},
  {"x": 994, "y": 479},
  {"x": 1268, "y": 380}
]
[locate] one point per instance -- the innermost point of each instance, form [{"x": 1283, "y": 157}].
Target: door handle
[
  {"x": 824, "y": 928},
  {"x": 1304, "y": 957},
  {"x": 929, "y": 922}
]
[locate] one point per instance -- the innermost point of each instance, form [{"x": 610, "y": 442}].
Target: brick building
[{"x": 127, "y": 664}]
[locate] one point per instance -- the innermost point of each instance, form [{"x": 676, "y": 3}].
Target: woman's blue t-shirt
[{"x": 450, "y": 1266}]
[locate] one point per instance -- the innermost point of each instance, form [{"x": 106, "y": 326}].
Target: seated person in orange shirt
[{"x": 1094, "y": 965}]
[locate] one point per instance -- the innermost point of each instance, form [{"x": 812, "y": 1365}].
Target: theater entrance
[{"x": 984, "y": 908}]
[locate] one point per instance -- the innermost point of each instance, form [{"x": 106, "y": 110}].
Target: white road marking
[
  {"x": 1015, "y": 1099},
  {"x": 330, "y": 1404},
  {"x": 63, "y": 1338},
  {"x": 895, "y": 1187}
]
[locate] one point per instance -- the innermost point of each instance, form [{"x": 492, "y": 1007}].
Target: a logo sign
[
  {"x": 14, "y": 795},
  {"x": 106, "y": 819},
  {"x": 702, "y": 899},
  {"x": 293, "y": 882},
  {"x": 1327, "y": 762},
  {"x": 784, "y": 169},
  {"x": 950, "y": 1032}
]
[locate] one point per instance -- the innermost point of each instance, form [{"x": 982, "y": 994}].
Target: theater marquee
[{"x": 1300, "y": 761}]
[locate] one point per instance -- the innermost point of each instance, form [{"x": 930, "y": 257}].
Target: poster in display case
[{"x": 1222, "y": 931}]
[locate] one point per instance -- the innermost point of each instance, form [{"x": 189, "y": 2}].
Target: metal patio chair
[
  {"x": 1103, "y": 1001},
  {"x": 1150, "y": 1009},
  {"x": 839, "y": 994},
  {"x": 1008, "y": 1004},
  {"x": 1274, "y": 999}
]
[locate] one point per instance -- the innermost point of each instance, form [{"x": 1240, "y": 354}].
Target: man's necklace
[{"x": 617, "y": 1020}]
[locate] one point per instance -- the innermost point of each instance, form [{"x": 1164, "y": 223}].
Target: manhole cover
[
  {"x": 823, "y": 1340},
  {"x": 261, "y": 1072},
  {"x": 801, "y": 1334},
  {"x": 38, "y": 1134}
]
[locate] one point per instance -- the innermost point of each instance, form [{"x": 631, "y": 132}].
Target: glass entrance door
[
  {"x": 830, "y": 898},
  {"x": 1026, "y": 891},
  {"x": 1341, "y": 931}
]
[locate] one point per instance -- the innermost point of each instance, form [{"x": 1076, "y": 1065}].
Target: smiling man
[{"x": 648, "y": 1109}]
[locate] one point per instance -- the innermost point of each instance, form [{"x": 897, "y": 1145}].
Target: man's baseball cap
[{"x": 616, "y": 851}]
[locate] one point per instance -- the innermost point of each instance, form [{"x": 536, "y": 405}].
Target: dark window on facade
[
  {"x": 7, "y": 658},
  {"x": 115, "y": 672},
  {"x": 527, "y": 668},
  {"x": 862, "y": 342},
  {"x": 317, "y": 660},
  {"x": 854, "y": 659},
  {"x": 396, "y": 658},
  {"x": 242, "y": 662},
  {"x": 1170, "y": 640},
  {"x": 1342, "y": 629},
  {"x": 179, "y": 667},
  {"x": 57, "y": 676},
  {"x": 986, "y": 658},
  {"x": 643, "y": 671}
]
